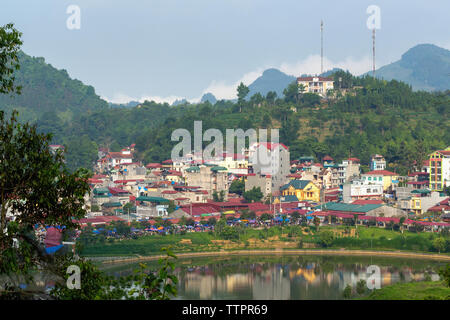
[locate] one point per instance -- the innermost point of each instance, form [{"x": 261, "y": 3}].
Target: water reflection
[
  {"x": 287, "y": 278},
  {"x": 265, "y": 281}
]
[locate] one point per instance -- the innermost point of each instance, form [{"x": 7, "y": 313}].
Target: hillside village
[{"x": 198, "y": 189}]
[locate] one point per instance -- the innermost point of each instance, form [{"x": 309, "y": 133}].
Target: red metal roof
[
  {"x": 312, "y": 78},
  {"x": 362, "y": 202},
  {"x": 153, "y": 165},
  {"x": 115, "y": 191},
  {"x": 381, "y": 172},
  {"x": 120, "y": 155}
]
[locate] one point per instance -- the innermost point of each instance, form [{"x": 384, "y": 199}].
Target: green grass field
[
  {"x": 424, "y": 290},
  {"x": 369, "y": 239}
]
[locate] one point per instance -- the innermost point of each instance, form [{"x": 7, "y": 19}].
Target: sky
[{"x": 165, "y": 50}]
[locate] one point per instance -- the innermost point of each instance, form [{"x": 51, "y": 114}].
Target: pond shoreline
[{"x": 342, "y": 252}]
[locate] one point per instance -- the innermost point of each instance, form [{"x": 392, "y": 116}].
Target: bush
[
  {"x": 347, "y": 292},
  {"x": 326, "y": 238}
]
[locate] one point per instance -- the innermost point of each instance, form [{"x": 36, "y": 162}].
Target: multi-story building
[
  {"x": 383, "y": 177},
  {"x": 264, "y": 182},
  {"x": 347, "y": 169},
  {"x": 210, "y": 179},
  {"x": 420, "y": 201},
  {"x": 317, "y": 85},
  {"x": 270, "y": 159},
  {"x": 440, "y": 169},
  {"x": 302, "y": 189},
  {"x": 361, "y": 189},
  {"x": 377, "y": 162}
]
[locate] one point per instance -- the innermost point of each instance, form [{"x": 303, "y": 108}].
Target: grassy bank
[
  {"x": 275, "y": 238},
  {"x": 424, "y": 290}
]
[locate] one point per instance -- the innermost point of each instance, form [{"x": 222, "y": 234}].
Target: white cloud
[
  {"x": 226, "y": 90},
  {"x": 121, "y": 98},
  {"x": 310, "y": 65},
  {"x": 223, "y": 90}
]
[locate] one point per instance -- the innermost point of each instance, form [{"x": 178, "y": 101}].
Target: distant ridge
[
  {"x": 270, "y": 80},
  {"x": 424, "y": 67}
]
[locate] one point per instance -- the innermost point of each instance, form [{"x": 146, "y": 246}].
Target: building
[
  {"x": 420, "y": 201},
  {"x": 302, "y": 189},
  {"x": 151, "y": 206},
  {"x": 270, "y": 160},
  {"x": 264, "y": 182},
  {"x": 440, "y": 169},
  {"x": 234, "y": 162},
  {"x": 348, "y": 169},
  {"x": 210, "y": 179},
  {"x": 328, "y": 162},
  {"x": 362, "y": 189},
  {"x": 377, "y": 162},
  {"x": 384, "y": 177},
  {"x": 317, "y": 85}
]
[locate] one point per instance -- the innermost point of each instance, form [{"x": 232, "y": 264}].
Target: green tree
[
  {"x": 237, "y": 186},
  {"x": 326, "y": 238},
  {"x": 347, "y": 292},
  {"x": 361, "y": 286},
  {"x": 10, "y": 42},
  {"x": 253, "y": 195},
  {"x": 316, "y": 222},
  {"x": 37, "y": 188},
  {"x": 242, "y": 92},
  {"x": 444, "y": 273},
  {"x": 439, "y": 244},
  {"x": 291, "y": 93}
]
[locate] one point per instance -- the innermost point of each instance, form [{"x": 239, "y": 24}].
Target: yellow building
[
  {"x": 302, "y": 189},
  {"x": 384, "y": 177}
]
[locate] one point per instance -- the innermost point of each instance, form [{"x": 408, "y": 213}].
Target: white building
[
  {"x": 377, "y": 162},
  {"x": 360, "y": 189},
  {"x": 270, "y": 159},
  {"x": 347, "y": 169},
  {"x": 317, "y": 85}
]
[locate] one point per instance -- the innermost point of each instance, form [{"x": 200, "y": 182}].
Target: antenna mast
[
  {"x": 321, "y": 47},
  {"x": 373, "y": 49}
]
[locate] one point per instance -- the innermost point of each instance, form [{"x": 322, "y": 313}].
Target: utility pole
[
  {"x": 373, "y": 50},
  {"x": 321, "y": 47}
]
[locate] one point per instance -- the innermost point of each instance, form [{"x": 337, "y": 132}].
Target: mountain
[
  {"x": 208, "y": 97},
  {"x": 270, "y": 80},
  {"x": 130, "y": 104},
  {"x": 46, "y": 89},
  {"x": 180, "y": 102},
  {"x": 424, "y": 67}
]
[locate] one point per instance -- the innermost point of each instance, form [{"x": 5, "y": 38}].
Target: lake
[{"x": 284, "y": 277}]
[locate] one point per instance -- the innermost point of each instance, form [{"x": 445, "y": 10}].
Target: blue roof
[
  {"x": 297, "y": 184},
  {"x": 334, "y": 206}
]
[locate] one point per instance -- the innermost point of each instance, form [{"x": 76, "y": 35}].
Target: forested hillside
[
  {"x": 365, "y": 116},
  {"x": 49, "y": 93},
  {"x": 374, "y": 116}
]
